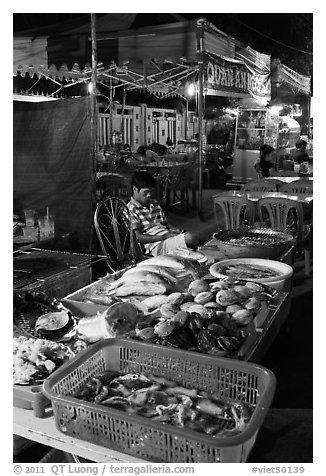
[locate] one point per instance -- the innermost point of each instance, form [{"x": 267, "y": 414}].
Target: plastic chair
[
  {"x": 269, "y": 185},
  {"x": 284, "y": 173},
  {"x": 298, "y": 186},
  {"x": 113, "y": 185},
  {"x": 286, "y": 215},
  {"x": 113, "y": 229},
  {"x": 178, "y": 182},
  {"x": 237, "y": 211}
]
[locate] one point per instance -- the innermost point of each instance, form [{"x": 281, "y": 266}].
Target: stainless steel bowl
[{"x": 257, "y": 250}]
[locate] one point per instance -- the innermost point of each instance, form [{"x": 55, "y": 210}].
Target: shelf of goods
[{"x": 256, "y": 336}]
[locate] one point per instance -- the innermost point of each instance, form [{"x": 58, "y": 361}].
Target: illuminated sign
[{"x": 223, "y": 75}]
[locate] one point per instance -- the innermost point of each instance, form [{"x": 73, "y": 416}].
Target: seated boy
[{"x": 149, "y": 221}]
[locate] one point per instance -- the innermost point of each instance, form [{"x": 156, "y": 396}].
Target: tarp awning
[
  {"x": 234, "y": 77},
  {"x": 52, "y": 163},
  {"x": 292, "y": 81},
  {"x": 160, "y": 58}
]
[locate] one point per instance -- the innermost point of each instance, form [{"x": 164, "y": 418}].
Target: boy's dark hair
[
  {"x": 141, "y": 150},
  {"x": 300, "y": 143},
  {"x": 142, "y": 179}
]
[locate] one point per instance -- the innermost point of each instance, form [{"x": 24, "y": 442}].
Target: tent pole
[
  {"x": 93, "y": 104},
  {"x": 309, "y": 112},
  {"x": 200, "y": 34},
  {"x": 93, "y": 94}
]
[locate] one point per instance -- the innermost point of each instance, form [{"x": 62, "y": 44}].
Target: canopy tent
[
  {"x": 287, "y": 81},
  {"x": 51, "y": 166},
  {"x": 157, "y": 58},
  {"x": 160, "y": 59}
]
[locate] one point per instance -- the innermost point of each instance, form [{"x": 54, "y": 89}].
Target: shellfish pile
[
  {"x": 209, "y": 317},
  {"x": 160, "y": 399}
]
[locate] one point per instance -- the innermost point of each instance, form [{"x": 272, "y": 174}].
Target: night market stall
[{"x": 158, "y": 361}]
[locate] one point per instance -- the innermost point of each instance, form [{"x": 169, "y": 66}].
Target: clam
[
  {"x": 225, "y": 297},
  {"x": 186, "y": 305},
  {"x": 204, "y": 297},
  {"x": 213, "y": 305},
  {"x": 175, "y": 298},
  {"x": 168, "y": 310},
  {"x": 217, "y": 329},
  {"x": 242, "y": 317},
  {"x": 254, "y": 287},
  {"x": 233, "y": 308},
  {"x": 165, "y": 328},
  {"x": 180, "y": 318},
  {"x": 252, "y": 304},
  {"x": 198, "y": 286},
  {"x": 197, "y": 308},
  {"x": 222, "y": 315},
  {"x": 187, "y": 297},
  {"x": 244, "y": 291},
  {"x": 146, "y": 333},
  {"x": 218, "y": 285}
]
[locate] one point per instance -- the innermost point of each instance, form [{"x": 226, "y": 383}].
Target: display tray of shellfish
[
  {"x": 44, "y": 339},
  {"x": 215, "y": 316},
  {"x": 157, "y": 276}
]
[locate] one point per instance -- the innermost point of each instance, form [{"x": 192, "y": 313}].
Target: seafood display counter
[{"x": 258, "y": 327}]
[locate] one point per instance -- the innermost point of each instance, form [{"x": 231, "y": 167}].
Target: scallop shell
[
  {"x": 165, "y": 328},
  {"x": 218, "y": 285},
  {"x": 204, "y": 297},
  {"x": 198, "y": 308},
  {"x": 252, "y": 303},
  {"x": 168, "y": 310},
  {"x": 243, "y": 317},
  {"x": 244, "y": 291},
  {"x": 175, "y": 298},
  {"x": 186, "y": 305},
  {"x": 197, "y": 286},
  {"x": 232, "y": 308},
  {"x": 213, "y": 305},
  {"x": 222, "y": 314},
  {"x": 225, "y": 297},
  {"x": 180, "y": 317},
  {"x": 146, "y": 333},
  {"x": 254, "y": 287}
]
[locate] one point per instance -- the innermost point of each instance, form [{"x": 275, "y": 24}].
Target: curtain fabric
[{"x": 52, "y": 163}]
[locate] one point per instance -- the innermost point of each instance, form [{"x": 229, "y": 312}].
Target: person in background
[
  {"x": 299, "y": 154},
  {"x": 146, "y": 156},
  {"x": 170, "y": 146},
  {"x": 265, "y": 164},
  {"x": 149, "y": 222}
]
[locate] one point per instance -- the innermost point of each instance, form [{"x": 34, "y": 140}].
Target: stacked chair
[{"x": 286, "y": 215}]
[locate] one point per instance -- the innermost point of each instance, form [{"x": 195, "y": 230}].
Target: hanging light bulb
[{"x": 191, "y": 89}]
